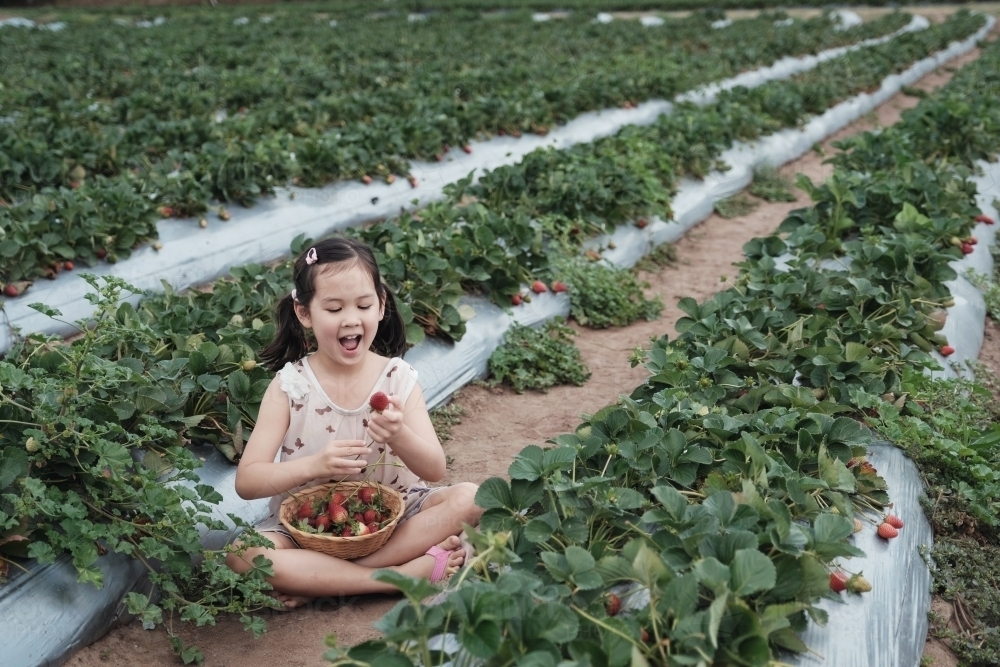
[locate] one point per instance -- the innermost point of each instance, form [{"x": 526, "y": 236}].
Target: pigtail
[
  {"x": 390, "y": 339},
  {"x": 290, "y": 342}
]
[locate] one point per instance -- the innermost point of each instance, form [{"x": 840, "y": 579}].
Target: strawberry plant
[
  {"x": 94, "y": 461},
  {"x": 602, "y": 295},
  {"x": 538, "y": 358},
  {"x": 91, "y": 155}
]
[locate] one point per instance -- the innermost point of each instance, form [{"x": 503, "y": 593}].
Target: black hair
[{"x": 290, "y": 340}]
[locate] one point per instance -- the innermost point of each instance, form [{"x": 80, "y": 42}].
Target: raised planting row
[
  {"x": 723, "y": 489},
  {"x": 107, "y": 128},
  {"x": 545, "y": 206}
]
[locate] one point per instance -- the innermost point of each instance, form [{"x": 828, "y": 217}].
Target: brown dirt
[
  {"x": 938, "y": 653},
  {"x": 498, "y": 424}
]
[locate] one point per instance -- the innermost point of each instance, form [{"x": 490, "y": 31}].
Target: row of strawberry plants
[
  {"x": 106, "y": 128},
  {"x": 180, "y": 367},
  {"x": 724, "y": 486},
  {"x": 554, "y": 199}
]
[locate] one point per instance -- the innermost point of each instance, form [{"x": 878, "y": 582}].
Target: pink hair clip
[
  {"x": 295, "y": 296},
  {"x": 311, "y": 256}
]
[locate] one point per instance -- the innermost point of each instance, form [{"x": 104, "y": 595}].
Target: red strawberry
[
  {"x": 371, "y": 516},
  {"x": 361, "y": 529},
  {"x": 413, "y": 181},
  {"x": 359, "y": 517},
  {"x": 641, "y": 222},
  {"x": 559, "y": 286},
  {"x": 887, "y": 531},
  {"x": 322, "y": 522},
  {"x": 347, "y": 531},
  {"x": 68, "y": 265},
  {"x": 372, "y": 527},
  {"x": 306, "y": 512},
  {"x": 101, "y": 253},
  {"x": 366, "y": 179},
  {"x": 10, "y": 290},
  {"x": 644, "y": 635},
  {"x": 516, "y": 300},
  {"x": 967, "y": 248},
  {"x": 947, "y": 350},
  {"x": 894, "y": 521},
  {"x": 166, "y": 211},
  {"x": 502, "y": 132},
  {"x": 367, "y": 494},
  {"x": 467, "y": 148},
  {"x": 838, "y": 582},
  {"x": 337, "y": 513},
  {"x": 338, "y": 498},
  {"x": 613, "y": 605},
  {"x": 538, "y": 287},
  {"x": 516, "y": 133},
  {"x": 984, "y": 218},
  {"x": 379, "y": 401},
  {"x": 973, "y": 240},
  {"x": 867, "y": 468}
]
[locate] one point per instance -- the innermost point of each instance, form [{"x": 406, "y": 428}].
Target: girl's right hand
[{"x": 342, "y": 458}]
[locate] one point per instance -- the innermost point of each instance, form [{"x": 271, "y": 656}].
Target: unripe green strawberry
[{"x": 858, "y": 584}]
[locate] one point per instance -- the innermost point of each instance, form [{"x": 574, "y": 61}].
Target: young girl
[{"x": 316, "y": 413}]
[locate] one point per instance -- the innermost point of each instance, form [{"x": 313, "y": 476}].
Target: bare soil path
[{"x": 497, "y": 425}]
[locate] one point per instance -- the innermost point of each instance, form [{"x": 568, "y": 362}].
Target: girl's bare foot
[
  {"x": 422, "y": 566},
  {"x": 290, "y": 601}
]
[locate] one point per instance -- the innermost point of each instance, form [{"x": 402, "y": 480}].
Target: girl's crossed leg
[{"x": 302, "y": 574}]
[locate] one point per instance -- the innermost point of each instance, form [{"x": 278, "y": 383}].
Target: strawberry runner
[{"x": 315, "y": 420}]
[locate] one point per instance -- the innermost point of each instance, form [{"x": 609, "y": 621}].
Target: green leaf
[
  {"x": 494, "y": 493},
  {"x": 14, "y": 464},
  {"x": 752, "y": 572},
  {"x": 527, "y": 464}
]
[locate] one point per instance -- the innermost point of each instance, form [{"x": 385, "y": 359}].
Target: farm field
[{"x": 722, "y": 400}]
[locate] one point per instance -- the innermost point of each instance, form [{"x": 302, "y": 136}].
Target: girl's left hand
[{"x": 384, "y": 427}]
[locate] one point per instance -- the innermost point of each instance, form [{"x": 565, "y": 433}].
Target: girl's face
[{"x": 344, "y": 313}]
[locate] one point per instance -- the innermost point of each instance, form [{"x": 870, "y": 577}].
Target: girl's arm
[
  {"x": 258, "y": 476},
  {"x": 410, "y": 433}
]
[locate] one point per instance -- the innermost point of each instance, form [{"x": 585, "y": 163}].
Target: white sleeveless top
[{"x": 316, "y": 420}]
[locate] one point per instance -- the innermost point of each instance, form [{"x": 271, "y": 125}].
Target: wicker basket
[{"x": 346, "y": 548}]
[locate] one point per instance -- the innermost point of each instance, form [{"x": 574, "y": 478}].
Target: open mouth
[{"x": 350, "y": 343}]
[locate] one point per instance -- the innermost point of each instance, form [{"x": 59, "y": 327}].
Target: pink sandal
[{"x": 440, "y": 562}]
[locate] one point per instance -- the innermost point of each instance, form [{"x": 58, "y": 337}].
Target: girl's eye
[
  {"x": 364, "y": 307},
  {"x": 333, "y": 310}
]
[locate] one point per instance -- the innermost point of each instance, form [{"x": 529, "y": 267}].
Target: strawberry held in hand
[{"x": 379, "y": 401}]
